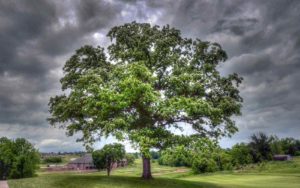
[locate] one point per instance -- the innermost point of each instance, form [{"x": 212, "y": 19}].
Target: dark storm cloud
[
  {"x": 261, "y": 38},
  {"x": 79, "y": 20},
  {"x": 262, "y": 41},
  {"x": 236, "y": 26},
  {"x": 21, "y": 22},
  {"x": 267, "y": 56},
  {"x": 22, "y": 66},
  {"x": 36, "y": 38}
]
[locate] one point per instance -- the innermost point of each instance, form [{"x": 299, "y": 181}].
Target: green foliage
[
  {"x": 127, "y": 96},
  {"x": 153, "y": 79},
  {"x": 297, "y": 153},
  {"x": 130, "y": 158},
  {"x": 276, "y": 145},
  {"x": 108, "y": 155},
  {"x": 54, "y": 159},
  {"x": 241, "y": 154},
  {"x": 223, "y": 160},
  {"x": 178, "y": 156},
  {"x": 260, "y": 147},
  {"x": 203, "y": 152},
  {"x": 207, "y": 156},
  {"x": 290, "y": 146},
  {"x": 155, "y": 155},
  {"x": 202, "y": 165},
  {"x": 18, "y": 159},
  {"x": 26, "y": 159},
  {"x": 135, "y": 154},
  {"x": 6, "y": 157}
]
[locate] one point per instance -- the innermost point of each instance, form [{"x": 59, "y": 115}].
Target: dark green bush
[
  {"x": 18, "y": 159},
  {"x": 202, "y": 165},
  {"x": 223, "y": 160},
  {"x": 178, "y": 156},
  {"x": 54, "y": 159},
  {"x": 154, "y": 155},
  {"x": 297, "y": 153},
  {"x": 240, "y": 154}
]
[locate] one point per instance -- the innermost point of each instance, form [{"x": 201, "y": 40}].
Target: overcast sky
[{"x": 262, "y": 39}]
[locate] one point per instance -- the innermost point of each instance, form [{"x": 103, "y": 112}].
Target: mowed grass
[{"x": 272, "y": 174}]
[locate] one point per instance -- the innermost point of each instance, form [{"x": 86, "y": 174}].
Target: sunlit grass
[{"x": 272, "y": 174}]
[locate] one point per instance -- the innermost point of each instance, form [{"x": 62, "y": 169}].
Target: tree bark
[
  {"x": 109, "y": 167},
  {"x": 146, "y": 169},
  {"x": 108, "y": 171}
]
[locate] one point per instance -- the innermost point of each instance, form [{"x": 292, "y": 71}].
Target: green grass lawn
[{"x": 272, "y": 174}]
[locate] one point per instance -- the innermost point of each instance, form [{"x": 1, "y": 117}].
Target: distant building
[
  {"x": 282, "y": 158},
  {"x": 82, "y": 163},
  {"x": 86, "y": 163}
]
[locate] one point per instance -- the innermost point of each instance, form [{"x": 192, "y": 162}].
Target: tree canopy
[
  {"x": 148, "y": 80},
  {"x": 18, "y": 158}
]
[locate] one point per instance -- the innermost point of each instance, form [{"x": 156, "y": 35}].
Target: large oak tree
[{"x": 149, "y": 80}]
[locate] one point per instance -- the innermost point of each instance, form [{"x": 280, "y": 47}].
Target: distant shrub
[
  {"x": 178, "y": 156},
  {"x": 224, "y": 160},
  {"x": 202, "y": 165},
  {"x": 54, "y": 159},
  {"x": 130, "y": 158},
  {"x": 297, "y": 153},
  {"x": 240, "y": 154},
  {"x": 154, "y": 154}
]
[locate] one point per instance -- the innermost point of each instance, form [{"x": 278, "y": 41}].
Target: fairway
[
  {"x": 249, "y": 180},
  {"x": 171, "y": 177}
]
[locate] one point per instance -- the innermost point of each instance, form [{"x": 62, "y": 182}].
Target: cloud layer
[{"x": 261, "y": 37}]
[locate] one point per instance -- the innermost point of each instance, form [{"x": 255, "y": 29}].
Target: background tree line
[
  {"x": 205, "y": 155},
  {"x": 18, "y": 158}
]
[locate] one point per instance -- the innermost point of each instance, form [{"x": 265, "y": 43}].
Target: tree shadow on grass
[{"x": 100, "y": 181}]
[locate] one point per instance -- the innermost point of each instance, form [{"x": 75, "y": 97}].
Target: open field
[{"x": 272, "y": 174}]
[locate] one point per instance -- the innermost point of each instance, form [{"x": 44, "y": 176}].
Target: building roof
[{"x": 86, "y": 159}]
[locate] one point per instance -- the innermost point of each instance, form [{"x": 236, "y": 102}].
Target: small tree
[
  {"x": 154, "y": 79},
  {"x": 276, "y": 145},
  {"x": 18, "y": 158},
  {"x": 26, "y": 159},
  {"x": 289, "y": 145},
  {"x": 108, "y": 156},
  {"x": 241, "y": 154},
  {"x": 260, "y": 147}
]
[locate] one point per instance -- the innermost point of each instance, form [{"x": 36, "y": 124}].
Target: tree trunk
[
  {"x": 109, "y": 167},
  {"x": 146, "y": 169},
  {"x": 108, "y": 171}
]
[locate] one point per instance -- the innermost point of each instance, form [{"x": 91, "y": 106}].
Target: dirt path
[{"x": 3, "y": 184}]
